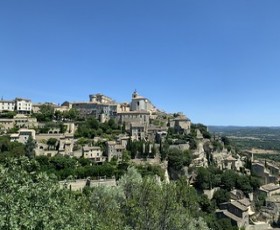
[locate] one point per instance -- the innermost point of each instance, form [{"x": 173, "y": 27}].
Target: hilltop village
[{"x": 110, "y": 136}]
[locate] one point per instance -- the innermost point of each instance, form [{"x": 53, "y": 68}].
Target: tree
[
  {"x": 228, "y": 179},
  {"x": 221, "y": 196},
  {"x": 203, "y": 179},
  {"x": 243, "y": 183},
  {"x": 46, "y": 113},
  {"x": 164, "y": 147},
  {"x": 30, "y": 146},
  {"x": 32, "y": 200},
  {"x": 205, "y": 204},
  {"x": 177, "y": 159},
  {"x": 225, "y": 140},
  {"x": 51, "y": 142}
]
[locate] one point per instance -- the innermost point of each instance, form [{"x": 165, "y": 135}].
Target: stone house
[
  {"x": 267, "y": 172},
  {"x": 19, "y": 121},
  {"x": 270, "y": 189},
  {"x": 114, "y": 149},
  {"x": 181, "y": 124},
  {"x": 137, "y": 131},
  {"x": 23, "y": 135},
  {"x": 237, "y": 211},
  {"x": 94, "y": 153},
  {"x": 127, "y": 118},
  {"x": 6, "y": 124},
  {"x": 23, "y": 121}
]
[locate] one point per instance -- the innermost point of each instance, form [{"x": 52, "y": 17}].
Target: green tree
[
  {"x": 228, "y": 179},
  {"x": 177, "y": 159},
  {"x": 52, "y": 142},
  {"x": 30, "y": 147},
  {"x": 221, "y": 196},
  {"x": 46, "y": 113},
  {"x": 31, "y": 200}
]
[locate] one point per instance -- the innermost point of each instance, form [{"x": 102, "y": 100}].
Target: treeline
[
  {"x": 208, "y": 178},
  {"x": 64, "y": 167},
  {"x": 47, "y": 113},
  {"x": 91, "y": 128},
  {"x": 267, "y": 156}
]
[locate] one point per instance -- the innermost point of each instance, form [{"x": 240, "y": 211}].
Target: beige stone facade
[
  {"x": 114, "y": 149},
  {"x": 94, "y": 153}
]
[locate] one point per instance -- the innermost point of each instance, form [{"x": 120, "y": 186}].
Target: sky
[{"x": 216, "y": 61}]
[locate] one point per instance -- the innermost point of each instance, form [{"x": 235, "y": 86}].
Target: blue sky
[{"x": 217, "y": 61}]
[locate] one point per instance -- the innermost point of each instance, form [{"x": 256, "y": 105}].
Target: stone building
[
  {"x": 23, "y": 121},
  {"x": 114, "y": 149},
  {"x": 237, "y": 211},
  {"x": 23, "y": 135},
  {"x": 19, "y": 105},
  {"x": 23, "y": 106},
  {"x": 66, "y": 144},
  {"x": 100, "y": 98},
  {"x": 139, "y": 103},
  {"x": 94, "y": 153},
  {"x": 95, "y": 109},
  {"x": 267, "y": 172},
  {"x": 181, "y": 124},
  {"x": 19, "y": 121},
  {"x": 123, "y": 107},
  {"x": 137, "y": 131},
  {"x": 127, "y": 118},
  {"x": 6, "y": 124},
  {"x": 270, "y": 189}
]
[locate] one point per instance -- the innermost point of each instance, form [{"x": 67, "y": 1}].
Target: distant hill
[{"x": 250, "y": 137}]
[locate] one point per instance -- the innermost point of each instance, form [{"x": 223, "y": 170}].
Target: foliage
[
  {"x": 150, "y": 205},
  {"x": 8, "y": 114},
  {"x": 228, "y": 180},
  {"x": 8, "y": 148},
  {"x": 91, "y": 127},
  {"x": 51, "y": 142},
  {"x": 217, "y": 146},
  {"x": 221, "y": 196},
  {"x": 208, "y": 178},
  {"x": 203, "y": 129},
  {"x": 52, "y": 125},
  {"x": 30, "y": 147},
  {"x": 177, "y": 158},
  {"x": 33, "y": 200},
  {"x": 46, "y": 113},
  {"x": 150, "y": 170}
]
